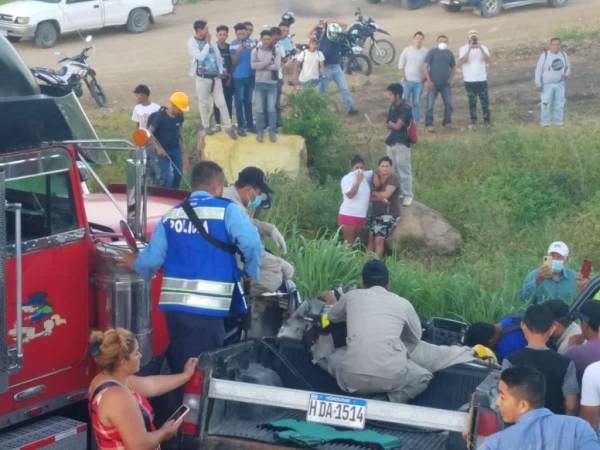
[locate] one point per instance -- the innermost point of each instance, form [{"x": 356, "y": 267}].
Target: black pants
[
  {"x": 228, "y": 94},
  {"x": 479, "y": 89},
  {"x": 190, "y": 335}
]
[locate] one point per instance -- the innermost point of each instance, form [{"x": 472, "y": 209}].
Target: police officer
[
  {"x": 250, "y": 191},
  {"x": 201, "y": 283}
]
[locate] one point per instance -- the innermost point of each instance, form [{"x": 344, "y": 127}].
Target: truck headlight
[{"x": 22, "y": 20}]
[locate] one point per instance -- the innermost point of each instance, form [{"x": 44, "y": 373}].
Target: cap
[
  {"x": 473, "y": 33},
  {"x": 375, "y": 273},
  {"x": 255, "y": 177},
  {"x": 559, "y": 309},
  {"x": 559, "y": 247},
  {"x": 590, "y": 313}
]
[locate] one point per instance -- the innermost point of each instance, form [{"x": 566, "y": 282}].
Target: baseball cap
[
  {"x": 559, "y": 247},
  {"x": 375, "y": 273},
  {"x": 590, "y": 312},
  {"x": 255, "y": 177},
  {"x": 473, "y": 33}
]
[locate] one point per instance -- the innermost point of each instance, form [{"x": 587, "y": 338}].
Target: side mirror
[
  {"x": 84, "y": 173},
  {"x": 88, "y": 38}
]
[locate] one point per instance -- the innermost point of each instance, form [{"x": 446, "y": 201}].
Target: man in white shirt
[
  {"x": 310, "y": 66},
  {"x": 590, "y": 395},
  {"x": 356, "y": 194},
  {"x": 143, "y": 106},
  {"x": 412, "y": 73},
  {"x": 142, "y": 110},
  {"x": 474, "y": 58}
]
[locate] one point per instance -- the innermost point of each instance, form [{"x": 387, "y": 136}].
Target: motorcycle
[
  {"x": 72, "y": 71},
  {"x": 353, "y": 61},
  {"x": 381, "y": 51}
]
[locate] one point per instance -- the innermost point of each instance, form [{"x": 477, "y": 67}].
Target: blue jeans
[
  {"x": 336, "y": 74},
  {"x": 169, "y": 176},
  {"x": 553, "y": 104},
  {"x": 311, "y": 84},
  {"x": 412, "y": 96},
  {"x": 266, "y": 92},
  {"x": 446, "y": 92},
  {"x": 243, "y": 88}
]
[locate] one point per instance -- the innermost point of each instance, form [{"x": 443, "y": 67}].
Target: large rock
[
  {"x": 425, "y": 231},
  {"x": 287, "y": 155}
]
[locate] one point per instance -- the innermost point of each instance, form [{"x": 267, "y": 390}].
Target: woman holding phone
[{"x": 121, "y": 415}]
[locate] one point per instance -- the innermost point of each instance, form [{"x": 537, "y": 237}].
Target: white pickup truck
[{"x": 46, "y": 20}]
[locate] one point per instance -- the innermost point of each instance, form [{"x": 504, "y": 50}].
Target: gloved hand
[{"x": 278, "y": 239}]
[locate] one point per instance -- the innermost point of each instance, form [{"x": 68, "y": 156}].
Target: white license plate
[{"x": 338, "y": 411}]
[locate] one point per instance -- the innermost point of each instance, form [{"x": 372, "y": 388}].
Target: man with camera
[
  {"x": 207, "y": 69},
  {"x": 474, "y": 58}
]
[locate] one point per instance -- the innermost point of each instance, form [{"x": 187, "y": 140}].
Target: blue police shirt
[
  {"x": 549, "y": 289},
  {"x": 239, "y": 228},
  {"x": 510, "y": 342},
  {"x": 541, "y": 430}
]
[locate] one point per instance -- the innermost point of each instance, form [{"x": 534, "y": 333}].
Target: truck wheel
[
  {"x": 46, "y": 35},
  {"x": 412, "y": 4},
  {"x": 453, "y": 8},
  {"x": 138, "y": 21},
  {"x": 490, "y": 8},
  {"x": 557, "y": 3}
]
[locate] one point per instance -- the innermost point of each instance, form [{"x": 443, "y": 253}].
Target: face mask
[
  {"x": 557, "y": 265},
  {"x": 442, "y": 46},
  {"x": 255, "y": 204}
]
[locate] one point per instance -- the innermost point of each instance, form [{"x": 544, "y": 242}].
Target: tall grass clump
[{"x": 312, "y": 117}]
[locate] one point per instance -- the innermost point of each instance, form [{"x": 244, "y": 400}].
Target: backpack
[{"x": 411, "y": 131}]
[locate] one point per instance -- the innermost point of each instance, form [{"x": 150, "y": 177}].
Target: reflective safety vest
[{"x": 199, "y": 277}]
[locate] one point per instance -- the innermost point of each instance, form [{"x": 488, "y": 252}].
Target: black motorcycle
[
  {"x": 71, "y": 73},
  {"x": 353, "y": 60},
  {"x": 381, "y": 51}
]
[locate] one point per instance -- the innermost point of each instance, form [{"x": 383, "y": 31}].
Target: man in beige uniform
[{"x": 384, "y": 352}]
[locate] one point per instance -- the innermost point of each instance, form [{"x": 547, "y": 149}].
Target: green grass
[
  {"x": 510, "y": 191},
  {"x": 578, "y": 33}
]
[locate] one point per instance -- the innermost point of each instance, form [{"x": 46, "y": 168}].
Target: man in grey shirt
[
  {"x": 412, "y": 73},
  {"x": 439, "y": 70},
  {"x": 551, "y": 73}
]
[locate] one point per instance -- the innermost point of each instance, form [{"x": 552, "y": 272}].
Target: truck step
[{"x": 53, "y": 433}]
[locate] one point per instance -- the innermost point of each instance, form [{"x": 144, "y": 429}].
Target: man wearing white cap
[
  {"x": 553, "y": 281},
  {"x": 474, "y": 58}
]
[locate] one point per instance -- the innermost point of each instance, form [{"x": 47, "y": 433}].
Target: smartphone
[
  {"x": 179, "y": 413},
  {"x": 547, "y": 261},
  {"x": 586, "y": 268}
]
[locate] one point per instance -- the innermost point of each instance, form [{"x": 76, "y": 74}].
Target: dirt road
[{"x": 159, "y": 59}]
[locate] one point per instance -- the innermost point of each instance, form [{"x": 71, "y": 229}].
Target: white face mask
[{"x": 442, "y": 46}]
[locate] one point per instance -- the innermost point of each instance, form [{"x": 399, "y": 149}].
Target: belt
[{"x": 209, "y": 77}]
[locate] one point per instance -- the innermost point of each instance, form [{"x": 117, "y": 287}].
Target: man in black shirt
[
  {"x": 561, "y": 376},
  {"x": 222, "y": 35},
  {"x": 397, "y": 143},
  {"x": 439, "y": 67}
]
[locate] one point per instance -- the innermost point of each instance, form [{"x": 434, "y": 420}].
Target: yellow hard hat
[{"x": 180, "y": 100}]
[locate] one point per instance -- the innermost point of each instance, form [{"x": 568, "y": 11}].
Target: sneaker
[
  {"x": 241, "y": 132},
  {"x": 260, "y": 137},
  {"x": 407, "y": 201},
  {"x": 272, "y": 137},
  {"x": 430, "y": 129},
  {"x": 231, "y": 133},
  {"x": 353, "y": 112},
  {"x": 210, "y": 131},
  {"x": 217, "y": 128}
]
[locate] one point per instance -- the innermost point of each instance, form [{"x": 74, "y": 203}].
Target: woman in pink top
[{"x": 121, "y": 415}]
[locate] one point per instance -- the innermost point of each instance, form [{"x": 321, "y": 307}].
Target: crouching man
[{"x": 384, "y": 351}]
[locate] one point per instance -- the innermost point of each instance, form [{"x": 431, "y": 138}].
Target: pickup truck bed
[{"x": 286, "y": 363}]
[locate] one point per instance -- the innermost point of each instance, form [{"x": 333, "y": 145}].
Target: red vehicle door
[{"x": 54, "y": 308}]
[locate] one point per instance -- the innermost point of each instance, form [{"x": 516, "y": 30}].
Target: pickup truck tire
[
  {"x": 557, "y": 3},
  {"x": 138, "y": 21},
  {"x": 46, "y": 35},
  {"x": 412, "y": 4},
  {"x": 490, "y": 8}
]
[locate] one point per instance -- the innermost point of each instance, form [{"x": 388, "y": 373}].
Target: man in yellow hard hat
[{"x": 166, "y": 125}]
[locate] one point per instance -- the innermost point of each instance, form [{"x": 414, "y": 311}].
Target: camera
[{"x": 474, "y": 40}]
